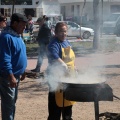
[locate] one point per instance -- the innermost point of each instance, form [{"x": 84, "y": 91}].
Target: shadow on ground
[{"x": 33, "y": 85}]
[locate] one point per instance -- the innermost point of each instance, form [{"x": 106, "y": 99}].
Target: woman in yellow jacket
[{"x": 61, "y": 60}]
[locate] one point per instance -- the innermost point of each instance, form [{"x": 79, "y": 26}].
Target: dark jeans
[
  {"x": 8, "y": 99},
  {"x": 55, "y": 111},
  {"x": 42, "y": 51}
]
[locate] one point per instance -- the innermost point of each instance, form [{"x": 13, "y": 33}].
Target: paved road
[{"x": 85, "y": 61}]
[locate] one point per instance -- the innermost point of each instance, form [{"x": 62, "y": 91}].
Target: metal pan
[
  {"x": 77, "y": 85},
  {"x": 87, "y": 92}
]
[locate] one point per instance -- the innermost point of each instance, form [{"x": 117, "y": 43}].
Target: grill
[{"x": 88, "y": 93}]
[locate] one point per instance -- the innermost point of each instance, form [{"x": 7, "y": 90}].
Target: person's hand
[
  {"x": 23, "y": 76},
  {"x": 65, "y": 67},
  {"x": 13, "y": 82}
]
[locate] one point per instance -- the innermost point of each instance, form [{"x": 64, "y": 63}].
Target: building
[
  {"x": 35, "y": 8},
  {"x": 73, "y": 10},
  {"x": 56, "y": 9}
]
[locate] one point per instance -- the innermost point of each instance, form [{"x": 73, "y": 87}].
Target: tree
[
  {"x": 96, "y": 23},
  {"x": 81, "y": 16}
]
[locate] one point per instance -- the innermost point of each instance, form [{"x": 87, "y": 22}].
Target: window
[
  {"x": 113, "y": 17},
  {"x": 7, "y": 12},
  {"x": 18, "y": 2},
  {"x": 72, "y": 24},
  {"x": 115, "y": 8},
  {"x": 72, "y": 10}
]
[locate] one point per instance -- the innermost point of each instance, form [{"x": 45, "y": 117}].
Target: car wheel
[{"x": 86, "y": 35}]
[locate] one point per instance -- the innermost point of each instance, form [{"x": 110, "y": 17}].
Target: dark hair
[
  {"x": 58, "y": 25},
  {"x": 2, "y": 18},
  {"x": 46, "y": 18}
]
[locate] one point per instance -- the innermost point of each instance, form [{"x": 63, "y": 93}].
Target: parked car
[
  {"x": 112, "y": 24},
  {"x": 74, "y": 30},
  {"x": 35, "y": 30}
]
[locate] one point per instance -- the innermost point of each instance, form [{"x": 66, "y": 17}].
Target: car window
[
  {"x": 113, "y": 17},
  {"x": 72, "y": 24}
]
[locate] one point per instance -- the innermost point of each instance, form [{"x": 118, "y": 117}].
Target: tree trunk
[
  {"x": 81, "y": 18},
  {"x": 96, "y": 24}
]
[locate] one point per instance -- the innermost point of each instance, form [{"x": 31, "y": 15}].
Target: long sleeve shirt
[{"x": 13, "y": 59}]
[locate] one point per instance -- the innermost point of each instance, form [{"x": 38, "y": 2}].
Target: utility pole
[{"x": 13, "y": 6}]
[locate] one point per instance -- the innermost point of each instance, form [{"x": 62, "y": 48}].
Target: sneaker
[
  {"x": 39, "y": 75},
  {"x": 35, "y": 70}
]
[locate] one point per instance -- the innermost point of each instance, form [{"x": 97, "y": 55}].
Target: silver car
[{"x": 74, "y": 30}]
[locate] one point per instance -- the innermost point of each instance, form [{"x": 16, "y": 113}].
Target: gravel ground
[{"x": 33, "y": 93}]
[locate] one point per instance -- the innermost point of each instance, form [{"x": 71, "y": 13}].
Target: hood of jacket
[{"x": 9, "y": 30}]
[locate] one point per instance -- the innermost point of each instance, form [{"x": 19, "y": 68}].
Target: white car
[
  {"x": 74, "y": 30},
  {"x": 35, "y": 30}
]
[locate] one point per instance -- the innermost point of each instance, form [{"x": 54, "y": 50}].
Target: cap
[
  {"x": 2, "y": 18},
  {"x": 18, "y": 17},
  {"x": 39, "y": 19}
]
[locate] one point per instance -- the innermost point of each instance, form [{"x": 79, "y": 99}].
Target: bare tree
[
  {"x": 81, "y": 17},
  {"x": 96, "y": 24}
]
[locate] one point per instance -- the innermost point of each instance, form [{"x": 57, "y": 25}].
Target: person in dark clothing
[
  {"x": 13, "y": 62},
  {"x": 43, "y": 39}
]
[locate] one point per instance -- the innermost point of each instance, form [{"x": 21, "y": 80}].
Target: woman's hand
[{"x": 64, "y": 66}]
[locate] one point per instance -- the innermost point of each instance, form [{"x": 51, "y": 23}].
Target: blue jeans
[
  {"x": 42, "y": 51},
  {"x": 8, "y": 99}
]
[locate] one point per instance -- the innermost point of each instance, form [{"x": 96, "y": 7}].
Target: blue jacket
[
  {"x": 54, "y": 49},
  {"x": 13, "y": 57}
]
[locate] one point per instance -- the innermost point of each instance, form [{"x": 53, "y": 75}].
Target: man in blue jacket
[{"x": 13, "y": 62}]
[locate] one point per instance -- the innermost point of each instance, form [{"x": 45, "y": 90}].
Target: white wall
[
  {"x": 87, "y": 10},
  {"x": 51, "y": 7},
  {"x": 88, "y": 7},
  {"x": 71, "y": 1}
]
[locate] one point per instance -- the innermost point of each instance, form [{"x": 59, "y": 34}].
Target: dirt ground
[{"x": 33, "y": 93}]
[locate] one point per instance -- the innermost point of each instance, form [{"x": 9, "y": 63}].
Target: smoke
[
  {"x": 91, "y": 76},
  {"x": 56, "y": 75}
]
